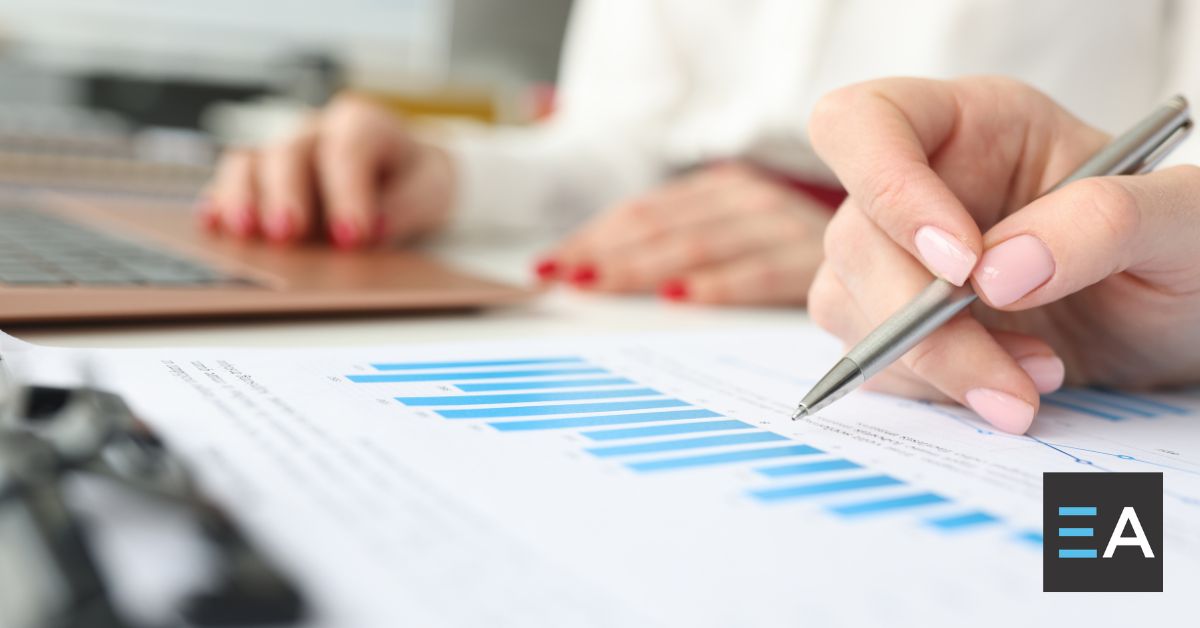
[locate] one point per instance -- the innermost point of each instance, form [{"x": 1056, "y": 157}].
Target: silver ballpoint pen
[{"x": 1137, "y": 151}]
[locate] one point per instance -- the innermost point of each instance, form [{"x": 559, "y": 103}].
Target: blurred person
[{"x": 681, "y": 131}]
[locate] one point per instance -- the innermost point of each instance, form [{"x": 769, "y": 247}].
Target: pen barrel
[
  {"x": 935, "y": 305},
  {"x": 1140, "y": 148}
]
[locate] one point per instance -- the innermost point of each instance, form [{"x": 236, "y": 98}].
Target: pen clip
[{"x": 1169, "y": 143}]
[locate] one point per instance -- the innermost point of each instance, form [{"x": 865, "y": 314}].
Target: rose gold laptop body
[{"x": 303, "y": 280}]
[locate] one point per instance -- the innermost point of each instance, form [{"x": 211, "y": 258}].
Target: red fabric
[{"x": 828, "y": 196}]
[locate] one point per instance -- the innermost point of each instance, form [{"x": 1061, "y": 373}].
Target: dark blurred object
[
  {"x": 49, "y": 575},
  {"x": 159, "y": 101},
  {"x": 308, "y": 77}
]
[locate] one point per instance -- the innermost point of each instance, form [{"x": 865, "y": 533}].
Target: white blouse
[{"x": 651, "y": 86}]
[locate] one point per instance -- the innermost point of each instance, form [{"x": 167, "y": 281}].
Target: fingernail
[
  {"x": 278, "y": 226},
  {"x": 1001, "y": 409},
  {"x": 674, "y": 290},
  {"x": 379, "y": 228},
  {"x": 344, "y": 233},
  {"x": 1046, "y": 371},
  {"x": 210, "y": 217},
  {"x": 546, "y": 269},
  {"x": 244, "y": 222},
  {"x": 1013, "y": 268},
  {"x": 584, "y": 275},
  {"x": 945, "y": 254}
]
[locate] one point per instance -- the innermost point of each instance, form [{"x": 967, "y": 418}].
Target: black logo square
[{"x": 1102, "y": 531}]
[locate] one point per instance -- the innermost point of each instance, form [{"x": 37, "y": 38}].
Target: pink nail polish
[
  {"x": 278, "y": 226},
  {"x": 1012, "y": 269},
  {"x": 945, "y": 254},
  {"x": 1046, "y": 371},
  {"x": 1001, "y": 409},
  {"x": 344, "y": 233}
]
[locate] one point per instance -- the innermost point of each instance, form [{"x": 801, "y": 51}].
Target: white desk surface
[{"x": 558, "y": 312}]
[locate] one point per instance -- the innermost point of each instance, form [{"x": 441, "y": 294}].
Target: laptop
[{"x": 74, "y": 258}]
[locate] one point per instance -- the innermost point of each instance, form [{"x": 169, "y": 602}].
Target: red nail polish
[
  {"x": 674, "y": 290},
  {"x": 546, "y": 269},
  {"x": 210, "y": 218},
  {"x": 278, "y": 226},
  {"x": 584, "y": 275},
  {"x": 379, "y": 228},
  {"x": 344, "y": 233}
]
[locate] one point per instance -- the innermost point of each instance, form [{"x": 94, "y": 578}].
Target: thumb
[{"x": 1089, "y": 230}]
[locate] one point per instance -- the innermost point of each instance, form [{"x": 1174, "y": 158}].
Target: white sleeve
[
  {"x": 619, "y": 82},
  {"x": 1183, "y": 74}
]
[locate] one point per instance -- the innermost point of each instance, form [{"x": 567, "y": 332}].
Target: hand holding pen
[{"x": 1097, "y": 281}]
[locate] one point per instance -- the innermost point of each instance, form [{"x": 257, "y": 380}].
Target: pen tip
[{"x": 800, "y": 413}]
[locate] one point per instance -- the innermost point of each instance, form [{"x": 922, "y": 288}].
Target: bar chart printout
[
  {"x": 474, "y": 483},
  {"x": 652, "y": 432}
]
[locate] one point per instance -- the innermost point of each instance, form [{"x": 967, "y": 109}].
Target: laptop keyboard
[{"x": 40, "y": 249}]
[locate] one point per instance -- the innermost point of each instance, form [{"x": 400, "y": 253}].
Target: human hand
[
  {"x": 1102, "y": 275},
  {"x": 726, "y": 234},
  {"x": 354, "y": 171}
]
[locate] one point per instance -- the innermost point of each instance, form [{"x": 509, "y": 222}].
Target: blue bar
[
  {"x": 603, "y": 419},
  {"x": 1031, "y": 537},
  {"x": 389, "y": 378},
  {"x": 728, "y": 457},
  {"x": 1075, "y": 531},
  {"x": 804, "y": 468},
  {"x": 1102, "y": 400},
  {"x": 825, "y": 488},
  {"x": 543, "y": 383},
  {"x": 1076, "y": 553},
  {"x": 570, "y": 408},
  {"x": 1081, "y": 408},
  {"x": 667, "y": 430},
  {"x": 965, "y": 520},
  {"x": 1077, "y": 511},
  {"x": 887, "y": 505},
  {"x": 743, "y": 438},
  {"x": 487, "y": 400},
  {"x": 1173, "y": 409},
  {"x": 419, "y": 366}
]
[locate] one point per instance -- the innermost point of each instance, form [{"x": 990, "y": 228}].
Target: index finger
[{"x": 877, "y": 137}]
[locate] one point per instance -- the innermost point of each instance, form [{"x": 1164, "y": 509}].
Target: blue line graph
[{"x": 1062, "y": 448}]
